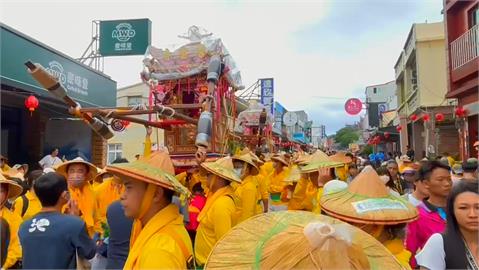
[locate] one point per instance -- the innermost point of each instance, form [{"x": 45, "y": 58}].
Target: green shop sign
[
  {"x": 84, "y": 84},
  {"x": 125, "y": 37}
]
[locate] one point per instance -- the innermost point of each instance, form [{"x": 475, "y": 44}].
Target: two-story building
[
  {"x": 421, "y": 85},
  {"x": 461, "y": 20},
  {"x": 130, "y": 142}
]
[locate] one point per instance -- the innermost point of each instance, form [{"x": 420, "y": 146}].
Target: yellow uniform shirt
[
  {"x": 163, "y": 243},
  {"x": 396, "y": 247},
  {"x": 317, "y": 199},
  {"x": 296, "y": 202},
  {"x": 34, "y": 205},
  {"x": 85, "y": 198},
  {"x": 14, "y": 252},
  {"x": 106, "y": 193},
  {"x": 277, "y": 181},
  {"x": 246, "y": 198},
  {"x": 216, "y": 219}
]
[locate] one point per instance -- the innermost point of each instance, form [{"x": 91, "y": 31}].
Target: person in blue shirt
[
  {"x": 119, "y": 238},
  {"x": 50, "y": 239}
]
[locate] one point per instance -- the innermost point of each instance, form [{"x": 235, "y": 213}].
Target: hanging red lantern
[
  {"x": 461, "y": 112},
  {"x": 399, "y": 128},
  {"x": 440, "y": 117},
  {"x": 413, "y": 117},
  {"x": 387, "y": 135},
  {"x": 31, "y": 103},
  {"x": 426, "y": 118}
]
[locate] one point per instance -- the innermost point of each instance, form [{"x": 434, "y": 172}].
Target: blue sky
[{"x": 313, "y": 49}]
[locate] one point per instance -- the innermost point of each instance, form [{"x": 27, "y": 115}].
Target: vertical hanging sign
[{"x": 267, "y": 93}]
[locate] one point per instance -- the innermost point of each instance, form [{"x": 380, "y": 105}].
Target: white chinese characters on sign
[
  {"x": 70, "y": 80},
  {"x": 123, "y": 33}
]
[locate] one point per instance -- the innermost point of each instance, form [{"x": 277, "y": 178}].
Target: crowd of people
[{"x": 140, "y": 215}]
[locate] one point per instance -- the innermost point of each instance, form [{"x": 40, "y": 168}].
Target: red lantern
[
  {"x": 31, "y": 103},
  {"x": 461, "y": 112},
  {"x": 413, "y": 117},
  {"x": 440, "y": 117},
  {"x": 387, "y": 135},
  {"x": 399, "y": 128},
  {"x": 426, "y": 118}
]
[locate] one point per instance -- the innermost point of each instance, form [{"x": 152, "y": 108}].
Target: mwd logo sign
[
  {"x": 123, "y": 32},
  {"x": 124, "y": 37}
]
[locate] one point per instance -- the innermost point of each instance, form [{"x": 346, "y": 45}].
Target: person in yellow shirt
[
  {"x": 246, "y": 194},
  {"x": 217, "y": 216},
  {"x": 368, "y": 204},
  {"x": 78, "y": 173},
  {"x": 158, "y": 238},
  {"x": 9, "y": 190},
  {"x": 107, "y": 192},
  {"x": 277, "y": 182},
  {"x": 264, "y": 176},
  {"x": 28, "y": 205}
]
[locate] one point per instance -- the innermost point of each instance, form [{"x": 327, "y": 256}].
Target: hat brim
[
  {"x": 213, "y": 168},
  {"x": 355, "y": 208},
  {"x": 92, "y": 169},
  {"x": 14, "y": 189},
  {"x": 140, "y": 171},
  {"x": 250, "y": 162},
  {"x": 316, "y": 166},
  {"x": 240, "y": 247},
  {"x": 280, "y": 159}
]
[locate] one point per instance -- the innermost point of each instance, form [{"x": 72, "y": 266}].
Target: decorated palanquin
[{"x": 198, "y": 80}]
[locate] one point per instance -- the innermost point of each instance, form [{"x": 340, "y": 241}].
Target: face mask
[
  {"x": 238, "y": 171},
  {"x": 76, "y": 180}
]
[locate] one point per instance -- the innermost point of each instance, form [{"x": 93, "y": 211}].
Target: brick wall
[{"x": 99, "y": 150}]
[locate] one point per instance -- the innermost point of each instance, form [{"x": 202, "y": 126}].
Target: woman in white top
[
  {"x": 49, "y": 161},
  {"x": 458, "y": 247}
]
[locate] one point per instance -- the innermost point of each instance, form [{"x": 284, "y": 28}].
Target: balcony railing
[{"x": 465, "y": 48}]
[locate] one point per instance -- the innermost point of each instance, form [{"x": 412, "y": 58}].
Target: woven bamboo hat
[
  {"x": 247, "y": 156},
  {"x": 302, "y": 158},
  {"x": 223, "y": 168},
  {"x": 14, "y": 189},
  {"x": 319, "y": 160},
  {"x": 368, "y": 201},
  {"x": 298, "y": 240},
  {"x": 13, "y": 173},
  {"x": 92, "y": 169},
  {"x": 294, "y": 174},
  {"x": 280, "y": 158},
  {"x": 341, "y": 157},
  {"x": 155, "y": 169}
]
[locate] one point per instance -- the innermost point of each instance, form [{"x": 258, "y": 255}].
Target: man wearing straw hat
[
  {"x": 246, "y": 194},
  {"x": 78, "y": 173},
  {"x": 9, "y": 190},
  {"x": 158, "y": 239},
  {"x": 316, "y": 171},
  {"x": 217, "y": 216},
  {"x": 277, "y": 182},
  {"x": 368, "y": 204}
]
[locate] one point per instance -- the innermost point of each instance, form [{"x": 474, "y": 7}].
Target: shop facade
[{"x": 27, "y": 136}]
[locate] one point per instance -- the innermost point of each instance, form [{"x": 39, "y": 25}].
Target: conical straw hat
[
  {"x": 296, "y": 240},
  {"x": 319, "y": 160},
  {"x": 294, "y": 174},
  {"x": 155, "y": 169},
  {"x": 13, "y": 173},
  {"x": 92, "y": 169},
  {"x": 223, "y": 168},
  {"x": 302, "y": 158},
  {"x": 341, "y": 157},
  {"x": 248, "y": 157},
  {"x": 280, "y": 158},
  {"x": 368, "y": 201},
  {"x": 14, "y": 189}
]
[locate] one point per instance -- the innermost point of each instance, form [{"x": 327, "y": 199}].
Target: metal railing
[{"x": 465, "y": 48}]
